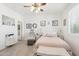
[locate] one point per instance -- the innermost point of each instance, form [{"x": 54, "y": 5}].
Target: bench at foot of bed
[{"x": 51, "y": 51}]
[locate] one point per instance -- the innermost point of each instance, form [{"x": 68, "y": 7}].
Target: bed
[{"x": 52, "y": 42}]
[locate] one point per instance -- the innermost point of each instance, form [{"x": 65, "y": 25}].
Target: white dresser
[{"x": 10, "y": 39}]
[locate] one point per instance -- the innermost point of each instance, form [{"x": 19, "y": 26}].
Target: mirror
[{"x": 34, "y": 25}]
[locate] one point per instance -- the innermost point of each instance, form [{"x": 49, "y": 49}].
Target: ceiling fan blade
[
  {"x": 27, "y": 6},
  {"x": 39, "y": 4},
  {"x": 43, "y": 4}
]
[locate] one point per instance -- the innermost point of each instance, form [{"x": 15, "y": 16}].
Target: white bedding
[{"x": 52, "y": 42}]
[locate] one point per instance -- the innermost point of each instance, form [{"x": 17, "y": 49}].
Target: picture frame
[
  {"x": 6, "y": 20},
  {"x": 48, "y": 23},
  {"x": 43, "y": 23},
  {"x": 54, "y": 22},
  {"x": 28, "y": 26},
  {"x": 64, "y": 22}
]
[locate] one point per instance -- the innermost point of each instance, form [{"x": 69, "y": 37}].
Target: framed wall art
[
  {"x": 6, "y": 20},
  {"x": 54, "y": 22},
  {"x": 43, "y": 23},
  {"x": 28, "y": 26},
  {"x": 64, "y": 22}
]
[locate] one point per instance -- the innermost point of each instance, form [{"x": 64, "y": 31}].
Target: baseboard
[{"x": 2, "y": 49}]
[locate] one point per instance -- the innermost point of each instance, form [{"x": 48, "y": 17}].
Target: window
[
  {"x": 74, "y": 19},
  {"x": 74, "y": 25}
]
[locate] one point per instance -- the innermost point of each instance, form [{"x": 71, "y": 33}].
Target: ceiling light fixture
[{"x": 36, "y": 7}]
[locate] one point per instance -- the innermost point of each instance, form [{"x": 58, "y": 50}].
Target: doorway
[{"x": 19, "y": 30}]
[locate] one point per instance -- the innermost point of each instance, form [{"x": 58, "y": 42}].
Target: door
[{"x": 19, "y": 30}]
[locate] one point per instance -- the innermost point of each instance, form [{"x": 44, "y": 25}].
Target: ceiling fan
[{"x": 36, "y": 6}]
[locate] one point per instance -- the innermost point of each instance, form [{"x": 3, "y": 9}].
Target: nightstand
[
  {"x": 31, "y": 37},
  {"x": 30, "y": 42}
]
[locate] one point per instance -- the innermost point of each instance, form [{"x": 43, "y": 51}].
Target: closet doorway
[{"x": 19, "y": 30}]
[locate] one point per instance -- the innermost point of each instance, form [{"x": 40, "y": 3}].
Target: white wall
[
  {"x": 36, "y": 18},
  {"x": 4, "y": 29},
  {"x": 71, "y": 38}
]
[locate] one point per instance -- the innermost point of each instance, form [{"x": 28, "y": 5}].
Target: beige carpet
[{"x": 18, "y": 49}]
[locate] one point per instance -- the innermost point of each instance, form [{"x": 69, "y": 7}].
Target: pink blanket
[{"x": 52, "y": 42}]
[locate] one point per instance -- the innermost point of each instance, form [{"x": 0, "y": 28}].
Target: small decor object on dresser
[
  {"x": 43, "y": 23},
  {"x": 55, "y": 23}
]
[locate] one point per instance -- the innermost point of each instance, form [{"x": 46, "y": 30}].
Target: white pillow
[{"x": 51, "y": 35}]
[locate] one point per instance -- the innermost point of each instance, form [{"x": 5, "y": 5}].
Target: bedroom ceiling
[{"x": 49, "y": 8}]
